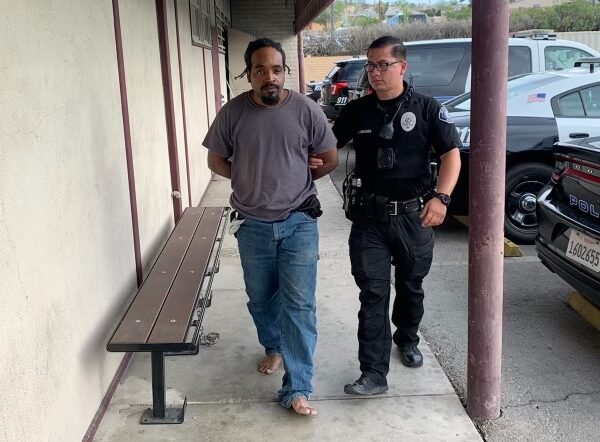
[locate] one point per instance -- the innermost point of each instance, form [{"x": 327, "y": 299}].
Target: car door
[{"x": 577, "y": 113}]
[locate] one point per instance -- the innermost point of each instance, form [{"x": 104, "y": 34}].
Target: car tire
[{"x": 523, "y": 183}]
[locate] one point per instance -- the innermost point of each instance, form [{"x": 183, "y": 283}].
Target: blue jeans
[{"x": 279, "y": 260}]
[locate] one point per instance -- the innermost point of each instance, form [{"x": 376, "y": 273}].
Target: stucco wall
[
  {"x": 263, "y": 19},
  {"x": 66, "y": 241},
  {"x": 315, "y": 68},
  {"x": 196, "y": 104},
  {"x": 148, "y": 124},
  {"x": 590, "y": 38},
  {"x": 66, "y": 247}
]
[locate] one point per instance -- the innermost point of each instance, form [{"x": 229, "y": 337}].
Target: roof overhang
[{"x": 307, "y": 10}]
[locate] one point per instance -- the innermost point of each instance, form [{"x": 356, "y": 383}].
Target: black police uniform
[{"x": 387, "y": 229}]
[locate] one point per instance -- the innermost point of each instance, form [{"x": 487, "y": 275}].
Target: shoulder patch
[{"x": 445, "y": 115}]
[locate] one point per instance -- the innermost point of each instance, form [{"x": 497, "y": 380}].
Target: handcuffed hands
[{"x": 314, "y": 162}]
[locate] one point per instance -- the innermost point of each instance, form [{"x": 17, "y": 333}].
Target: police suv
[
  {"x": 542, "y": 108},
  {"x": 568, "y": 242}
]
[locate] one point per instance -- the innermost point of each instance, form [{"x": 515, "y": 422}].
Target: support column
[{"x": 487, "y": 170}]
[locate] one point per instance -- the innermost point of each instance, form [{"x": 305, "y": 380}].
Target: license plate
[{"x": 584, "y": 250}]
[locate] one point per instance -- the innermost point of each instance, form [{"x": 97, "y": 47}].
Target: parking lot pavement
[{"x": 551, "y": 356}]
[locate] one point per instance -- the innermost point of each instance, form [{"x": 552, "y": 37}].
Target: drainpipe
[
  {"x": 128, "y": 150},
  {"x": 487, "y": 170},
  {"x": 185, "y": 139},
  {"x": 301, "y": 81},
  {"x": 216, "y": 70},
  {"x": 165, "y": 64}
]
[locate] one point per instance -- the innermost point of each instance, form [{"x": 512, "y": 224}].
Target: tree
[
  {"x": 579, "y": 15},
  {"x": 337, "y": 9},
  {"x": 364, "y": 21},
  {"x": 381, "y": 9}
]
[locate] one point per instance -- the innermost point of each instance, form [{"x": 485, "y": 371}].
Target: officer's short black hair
[
  {"x": 398, "y": 48},
  {"x": 260, "y": 43}
]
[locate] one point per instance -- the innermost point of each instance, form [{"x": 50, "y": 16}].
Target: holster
[{"x": 311, "y": 206}]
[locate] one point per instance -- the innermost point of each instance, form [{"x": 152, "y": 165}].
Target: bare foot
[
  {"x": 301, "y": 406},
  {"x": 270, "y": 363}
]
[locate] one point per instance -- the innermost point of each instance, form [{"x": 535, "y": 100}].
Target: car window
[
  {"x": 433, "y": 66},
  {"x": 591, "y": 101},
  {"x": 562, "y": 57},
  {"x": 349, "y": 71},
  {"x": 571, "y": 106},
  {"x": 332, "y": 72},
  {"x": 519, "y": 60}
]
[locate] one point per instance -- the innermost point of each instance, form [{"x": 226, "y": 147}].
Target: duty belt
[
  {"x": 381, "y": 207},
  {"x": 400, "y": 207}
]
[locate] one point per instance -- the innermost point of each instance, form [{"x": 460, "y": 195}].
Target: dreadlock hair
[
  {"x": 398, "y": 48},
  {"x": 254, "y": 46}
]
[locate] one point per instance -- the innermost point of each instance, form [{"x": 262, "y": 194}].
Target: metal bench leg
[{"x": 159, "y": 413}]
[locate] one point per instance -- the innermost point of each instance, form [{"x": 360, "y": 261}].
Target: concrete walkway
[{"x": 228, "y": 400}]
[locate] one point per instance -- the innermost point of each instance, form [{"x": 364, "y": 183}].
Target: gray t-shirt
[{"x": 269, "y": 148}]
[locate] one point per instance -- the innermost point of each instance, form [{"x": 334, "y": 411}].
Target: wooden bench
[{"x": 165, "y": 315}]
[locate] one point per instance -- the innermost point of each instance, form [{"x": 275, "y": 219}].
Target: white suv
[{"x": 442, "y": 68}]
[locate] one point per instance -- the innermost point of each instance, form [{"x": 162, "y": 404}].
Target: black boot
[
  {"x": 410, "y": 355},
  {"x": 365, "y": 387}
]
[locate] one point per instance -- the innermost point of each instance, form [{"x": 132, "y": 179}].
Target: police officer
[{"x": 393, "y": 207}]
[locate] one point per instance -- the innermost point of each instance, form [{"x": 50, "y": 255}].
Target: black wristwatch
[{"x": 443, "y": 198}]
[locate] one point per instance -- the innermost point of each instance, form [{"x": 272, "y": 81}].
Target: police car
[
  {"x": 568, "y": 240},
  {"x": 542, "y": 108}
]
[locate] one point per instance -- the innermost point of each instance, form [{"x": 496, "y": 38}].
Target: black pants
[{"x": 374, "y": 247}]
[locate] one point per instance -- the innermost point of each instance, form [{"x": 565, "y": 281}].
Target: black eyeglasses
[{"x": 381, "y": 67}]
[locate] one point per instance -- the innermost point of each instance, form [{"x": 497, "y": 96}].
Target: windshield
[
  {"x": 517, "y": 85},
  {"x": 347, "y": 72},
  {"x": 332, "y": 71}
]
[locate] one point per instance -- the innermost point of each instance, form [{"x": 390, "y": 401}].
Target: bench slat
[
  {"x": 173, "y": 322},
  {"x": 141, "y": 316}
]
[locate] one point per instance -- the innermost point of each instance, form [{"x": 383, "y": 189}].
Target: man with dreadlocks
[{"x": 262, "y": 140}]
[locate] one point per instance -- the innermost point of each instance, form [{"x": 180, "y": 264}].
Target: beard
[{"x": 270, "y": 94}]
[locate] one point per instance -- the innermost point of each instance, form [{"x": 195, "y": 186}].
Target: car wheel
[{"x": 523, "y": 183}]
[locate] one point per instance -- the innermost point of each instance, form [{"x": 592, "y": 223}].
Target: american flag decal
[{"x": 536, "y": 98}]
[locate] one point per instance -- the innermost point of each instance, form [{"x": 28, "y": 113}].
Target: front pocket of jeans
[{"x": 307, "y": 217}]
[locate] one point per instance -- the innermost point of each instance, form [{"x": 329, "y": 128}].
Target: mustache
[{"x": 270, "y": 85}]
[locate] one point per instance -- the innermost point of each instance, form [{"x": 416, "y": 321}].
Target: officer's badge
[
  {"x": 445, "y": 115},
  {"x": 408, "y": 121}
]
